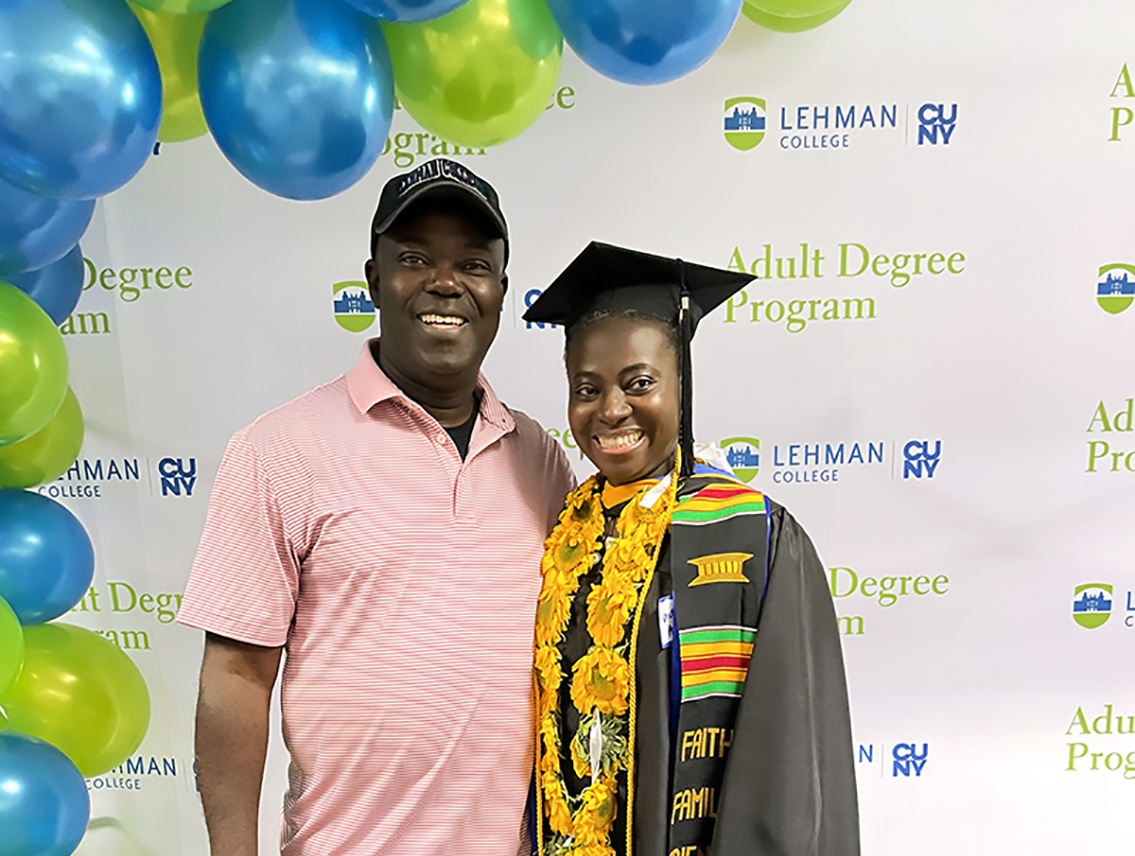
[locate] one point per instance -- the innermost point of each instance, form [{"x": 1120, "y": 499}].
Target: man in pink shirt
[{"x": 384, "y": 530}]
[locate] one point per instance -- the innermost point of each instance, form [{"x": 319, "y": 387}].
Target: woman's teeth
[
  {"x": 619, "y": 441},
  {"x": 442, "y": 320}
]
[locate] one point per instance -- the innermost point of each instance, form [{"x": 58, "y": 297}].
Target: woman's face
[{"x": 624, "y": 397}]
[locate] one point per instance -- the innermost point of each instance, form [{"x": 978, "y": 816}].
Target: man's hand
[{"x": 232, "y": 739}]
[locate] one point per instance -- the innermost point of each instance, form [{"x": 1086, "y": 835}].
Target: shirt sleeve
[
  {"x": 245, "y": 578},
  {"x": 789, "y": 787}
]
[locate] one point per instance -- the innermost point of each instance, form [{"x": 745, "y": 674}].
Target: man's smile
[{"x": 442, "y": 322}]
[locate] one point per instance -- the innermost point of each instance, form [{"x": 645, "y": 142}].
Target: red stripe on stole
[
  {"x": 721, "y": 661},
  {"x": 724, "y": 492}
]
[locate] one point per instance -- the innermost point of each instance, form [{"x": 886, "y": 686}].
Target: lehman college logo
[
  {"x": 1092, "y": 606},
  {"x": 1115, "y": 289},
  {"x": 744, "y": 456},
  {"x": 744, "y": 122},
  {"x": 353, "y": 308}
]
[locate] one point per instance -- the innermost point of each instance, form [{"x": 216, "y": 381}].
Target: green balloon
[
  {"x": 792, "y": 16},
  {"x": 80, "y": 693},
  {"x": 33, "y": 366},
  {"x": 175, "y": 37},
  {"x": 182, "y": 7},
  {"x": 46, "y": 454},
  {"x": 479, "y": 75},
  {"x": 11, "y": 645}
]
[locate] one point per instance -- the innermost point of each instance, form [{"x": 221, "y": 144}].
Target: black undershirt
[{"x": 463, "y": 433}]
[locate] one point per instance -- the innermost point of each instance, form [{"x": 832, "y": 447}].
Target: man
[{"x": 385, "y": 530}]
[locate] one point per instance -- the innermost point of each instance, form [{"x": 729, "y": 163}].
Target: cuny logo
[
  {"x": 177, "y": 475},
  {"x": 919, "y": 459},
  {"x": 744, "y": 456},
  {"x": 1115, "y": 288},
  {"x": 907, "y": 759},
  {"x": 1092, "y": 605},
  {"x": 744, "y": 122},
  {"x": 353, "y": 308},
  {"x": 936, "y": 124}
]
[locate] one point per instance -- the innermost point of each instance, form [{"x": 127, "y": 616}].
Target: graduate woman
[{"x": 690, "y": 691}]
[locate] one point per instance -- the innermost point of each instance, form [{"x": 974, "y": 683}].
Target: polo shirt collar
[{"x": 368, "y": 384}]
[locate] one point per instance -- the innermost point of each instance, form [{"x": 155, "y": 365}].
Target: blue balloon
[
  {"x": 298, "y": 93},
  {"x": 44, "y": 805},
  {"x": 57, "y": 287},
  {"x": 645, "y": 41},
  {"x": 46, "y": 558},
  {"x": 406, "y": 11},
  {"x": 36, "y": 231},
  {"x": 80, "y": 96}
]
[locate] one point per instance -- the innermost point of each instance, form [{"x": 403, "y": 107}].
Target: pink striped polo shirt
[{"x": 403, "y": 581}]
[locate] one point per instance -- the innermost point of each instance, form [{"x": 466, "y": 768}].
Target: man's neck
[{"x": 451, "y": 405}]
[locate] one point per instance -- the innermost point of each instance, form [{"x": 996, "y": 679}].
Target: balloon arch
[{"x": 298, "y": 95}]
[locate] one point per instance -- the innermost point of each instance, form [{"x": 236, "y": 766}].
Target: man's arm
[{"x": 232, "y": 739}]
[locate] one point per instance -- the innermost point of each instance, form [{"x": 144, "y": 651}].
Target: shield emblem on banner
[
  {"x": 1091, "y": 606},
  {"x": 1115, "y": 288},
  {"x": 353, "y": 308},
  {"x": 744, "y": 122},
  {"x": 744, "y": 456}
]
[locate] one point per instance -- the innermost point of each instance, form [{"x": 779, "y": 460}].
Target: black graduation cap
[{"x": 606, "y": 278}]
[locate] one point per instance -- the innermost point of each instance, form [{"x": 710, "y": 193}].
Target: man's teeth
[
  {"x": 619, "y": 441},
  {"x": 442, "y": 320}
]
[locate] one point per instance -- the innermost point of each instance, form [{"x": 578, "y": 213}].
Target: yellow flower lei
[{"x": 602, "y": 681}]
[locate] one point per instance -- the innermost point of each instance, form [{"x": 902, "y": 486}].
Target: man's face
[{"x": 437, "y": 279}]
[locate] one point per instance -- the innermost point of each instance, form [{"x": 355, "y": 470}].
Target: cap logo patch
[{"x": 436, "y": 169}]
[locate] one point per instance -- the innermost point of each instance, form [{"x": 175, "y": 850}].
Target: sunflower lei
[{"x": 602, "y": 681}]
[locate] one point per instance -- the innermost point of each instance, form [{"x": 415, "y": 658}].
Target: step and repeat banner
[{"x": 932, "y": 369}]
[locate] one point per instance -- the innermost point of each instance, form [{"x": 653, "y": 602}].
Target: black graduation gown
[{"x": 789, "y": 783}]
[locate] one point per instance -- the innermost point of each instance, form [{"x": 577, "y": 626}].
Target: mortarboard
[{"x": 606, "y": 278}]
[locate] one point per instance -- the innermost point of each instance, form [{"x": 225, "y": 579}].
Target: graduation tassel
[{"x": 686, "y": 373}]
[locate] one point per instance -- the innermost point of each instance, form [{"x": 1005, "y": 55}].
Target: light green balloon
[
  {"x": 479, "y": 75},
  {"x": 792, "y": 16},
  {"x": 46, "y": 454},
  {"x": 80, "y": 693},
  {"x": 11, "y": 645},
  {"x": 182, "y": 7},
  {"x": 33, "y": 366},
  {"x": 176, "y": 37}
]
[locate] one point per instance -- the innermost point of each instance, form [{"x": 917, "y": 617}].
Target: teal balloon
[
  {"x": 406, "y": 11},
  {"x": 298, "y": 94},
  {"x": 46, "y": 559},
  {"x": 44, "y": 805},
  {"x": 56, "y": 287},
  {"x": 645, "y": 41},
  {"x": 33, "y": 366},
  {"x": 80, "y": 96},
  {"x": 35, "y": 230}
]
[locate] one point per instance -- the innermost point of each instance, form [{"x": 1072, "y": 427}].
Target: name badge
[{"x": 666, "y": 620}]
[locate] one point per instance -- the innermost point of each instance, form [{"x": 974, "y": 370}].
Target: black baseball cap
[{"x": 437, "y": 176}]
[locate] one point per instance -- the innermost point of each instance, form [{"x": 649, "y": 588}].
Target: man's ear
[
  {"x": 504, "y": 282},
  {"x": 371, "y": 271}
]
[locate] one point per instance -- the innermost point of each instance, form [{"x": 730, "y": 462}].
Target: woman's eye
[
  {"x": 641, "y": 384},
  {"x": 585, "y": 391}
]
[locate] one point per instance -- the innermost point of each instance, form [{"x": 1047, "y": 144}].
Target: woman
[{"x": 689, "y": 680}]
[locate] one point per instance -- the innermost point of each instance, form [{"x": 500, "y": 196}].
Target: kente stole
[{"x": 719, "y": 565}]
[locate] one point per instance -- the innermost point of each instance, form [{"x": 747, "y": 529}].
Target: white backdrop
[{"x": 980, "y": 705}]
